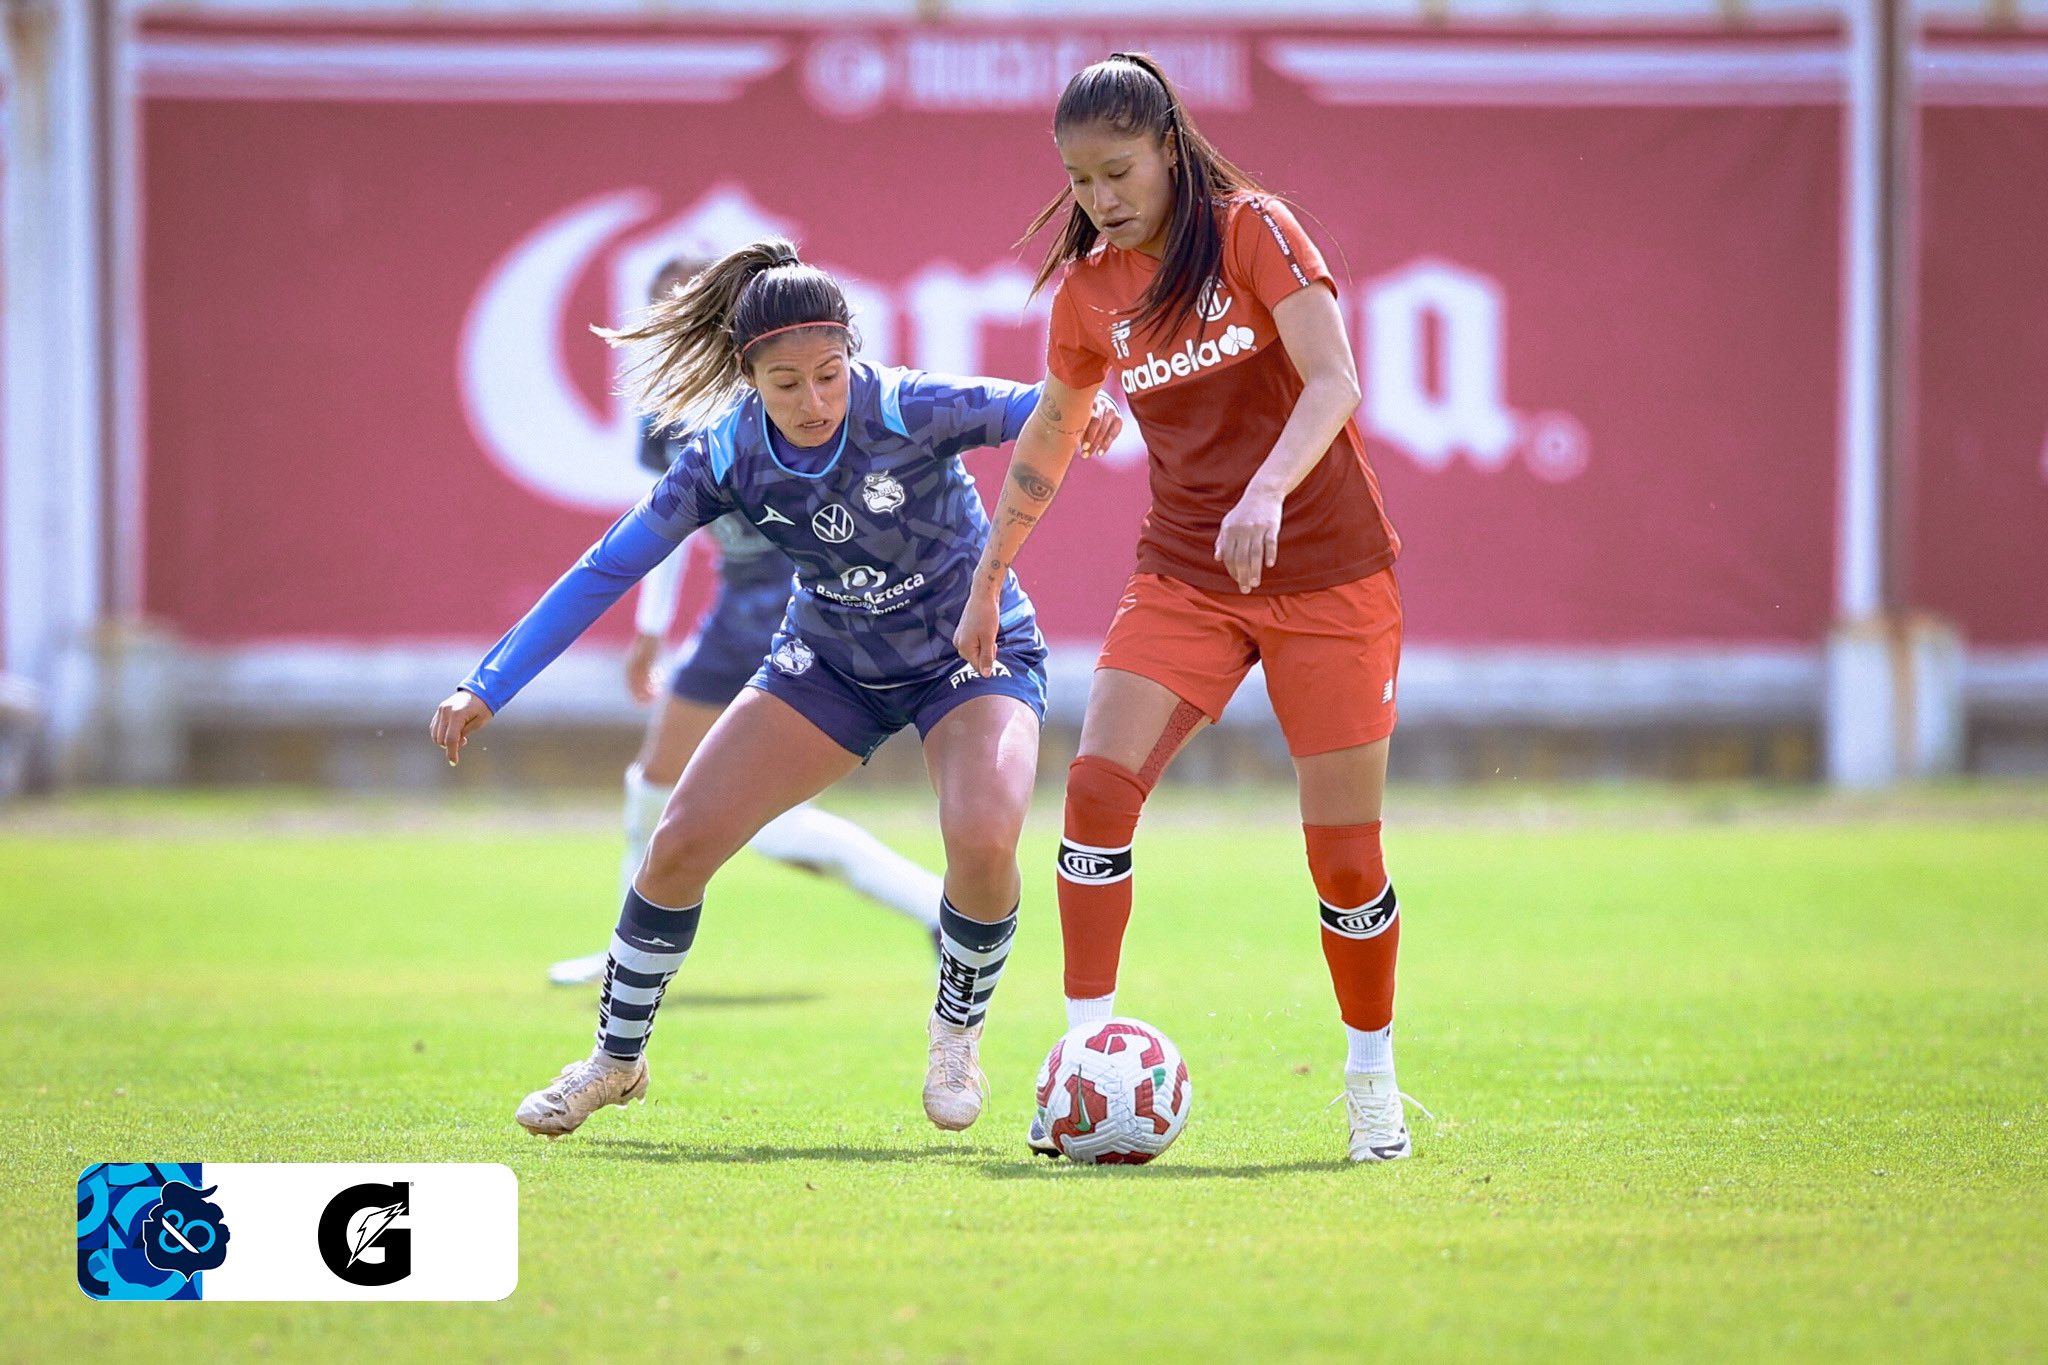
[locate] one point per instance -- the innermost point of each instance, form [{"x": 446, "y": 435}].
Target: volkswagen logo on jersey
[
  {"x": 881, "y": 492},
  {"x": 1212, "y": 303},
  {"x": 793, "y": 657},
  {"x": 861, "y": 577},
  {"x": 834, "y": 524}
]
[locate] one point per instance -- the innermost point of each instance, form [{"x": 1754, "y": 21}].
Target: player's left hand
[
  {"x": 1105, "y": 423},
  {"x": 454, "y": 721},
  {"x": 1250, "y": 539}
]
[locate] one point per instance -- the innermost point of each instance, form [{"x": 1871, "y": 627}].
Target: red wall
[{"x": 1663, "y": 279}]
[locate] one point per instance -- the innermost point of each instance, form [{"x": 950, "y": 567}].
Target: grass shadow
[
  {"x": 761, "y": 1154},
  {"x": 1040, "y": 1168}
]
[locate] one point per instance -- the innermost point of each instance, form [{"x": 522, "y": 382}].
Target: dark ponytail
[
  {"x": 694, "y": 340},
  {"x": 1129, "y": 94}
]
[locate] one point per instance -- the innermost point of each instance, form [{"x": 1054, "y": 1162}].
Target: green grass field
[{"x": 1768, "y": 1085}]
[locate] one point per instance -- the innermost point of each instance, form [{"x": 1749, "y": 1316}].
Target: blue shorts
[
  {"x": 859, "y": 718},
  {"x": 731, "y": 642}
]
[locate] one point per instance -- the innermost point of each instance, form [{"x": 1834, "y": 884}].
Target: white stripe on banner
[
  {"x": 301, "y": 1232},
  {"x": 671, "y": 71},
  {"x": 2000, "y": 74},
  {"x": 1364, "y": 71}
]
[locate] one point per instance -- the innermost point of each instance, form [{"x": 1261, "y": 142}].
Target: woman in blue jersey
[
  {"x": 852, "y": 471},
  {"x": 714, "y": 666}
]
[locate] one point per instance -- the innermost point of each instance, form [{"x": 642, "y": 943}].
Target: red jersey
[{"x": 1211, "y": 397}]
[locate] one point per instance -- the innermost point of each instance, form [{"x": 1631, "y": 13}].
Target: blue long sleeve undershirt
[{"x": 621, "y": 558}]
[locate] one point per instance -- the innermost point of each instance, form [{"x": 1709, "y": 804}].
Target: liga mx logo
[{"x": 146, "y": 1230}]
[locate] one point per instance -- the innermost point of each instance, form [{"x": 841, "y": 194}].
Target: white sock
[
  {"x": 1371, "y": 1053},
  {"x": 1090, "y": 1010},
  {"x": 821, "y": 841},
  {"x": 645, "y": 802}
]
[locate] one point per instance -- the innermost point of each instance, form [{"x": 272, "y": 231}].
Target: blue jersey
[
  {"x": 882, "y": 523},
  {"x": 745, "y": 557}
]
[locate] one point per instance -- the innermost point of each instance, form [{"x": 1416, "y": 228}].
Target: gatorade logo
[{"x": 1155, "y": 371}]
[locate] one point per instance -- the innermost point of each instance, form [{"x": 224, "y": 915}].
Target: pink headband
[{"x": 794, "y": 326}]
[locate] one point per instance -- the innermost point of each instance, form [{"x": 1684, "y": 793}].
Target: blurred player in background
[
  {"x": 1266, "y": 540},
  {"x": 729, "y": 644},
  {"x": 853, "y": 472}
]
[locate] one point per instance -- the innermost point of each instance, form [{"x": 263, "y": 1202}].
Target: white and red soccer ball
[{"x": 1113, "y": 1092}]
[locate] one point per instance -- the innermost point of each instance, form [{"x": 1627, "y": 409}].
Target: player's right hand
[
  {"x": 976, "y": 637},
  {"x": 642, "y": 683},
  {"x": 454, "y": 719}
]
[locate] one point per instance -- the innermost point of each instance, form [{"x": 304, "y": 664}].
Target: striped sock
[
  {"x": 971, "y": 957},
  {"x": 647, "y": 948}
]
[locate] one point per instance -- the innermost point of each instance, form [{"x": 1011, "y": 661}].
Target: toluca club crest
[{"x": 881, "y": 492}]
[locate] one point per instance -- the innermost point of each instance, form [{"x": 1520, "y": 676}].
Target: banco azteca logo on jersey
[
  {"x": 862, "y": 577},
  {"x": 1154, "y": 371},
  {"x": 881, "y": 493},
  {"x": 833, "y": 524},
  {"x": 793, "y": 657}
]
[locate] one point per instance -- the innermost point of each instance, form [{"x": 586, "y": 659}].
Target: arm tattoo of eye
[{"x": 1033, "y": 484}]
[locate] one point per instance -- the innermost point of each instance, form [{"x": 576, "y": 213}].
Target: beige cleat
[
  {"x": 579, "y": 1091},
  {"x": 954, "y": 1086}
]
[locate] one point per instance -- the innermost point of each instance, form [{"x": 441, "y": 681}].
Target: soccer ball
[{"x": 1113, "y": 1092}]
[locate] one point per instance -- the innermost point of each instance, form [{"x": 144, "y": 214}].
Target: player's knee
[
  {"x": 686, "y": 850},
  {"x": 1104, "y": 800},
  {"x": 982, "y": 852},
  {"x": 1346, "y": 864}
]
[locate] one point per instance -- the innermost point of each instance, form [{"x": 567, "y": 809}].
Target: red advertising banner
[
  {"x": 1594, "y": 289},
  {"x": 1978, "y": 496}
]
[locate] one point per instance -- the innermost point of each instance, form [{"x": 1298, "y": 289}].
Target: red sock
[
  {"x": 1361, "y": 921},
  {"x": 1103, "y": 801}
]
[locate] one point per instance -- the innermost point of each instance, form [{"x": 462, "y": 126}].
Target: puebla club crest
[
  {"x": 881, "y": 493},
  {"x": 793, "y": 657}
]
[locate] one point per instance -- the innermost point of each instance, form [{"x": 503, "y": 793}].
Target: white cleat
[
  {"x": 1379, "y": 1129},
  {"x": 954, "y": 1086},
  {"x": 579, "y": 971},
  {"x": 581, "y": 1090},
  {"x": 1040, "y": 1141}
]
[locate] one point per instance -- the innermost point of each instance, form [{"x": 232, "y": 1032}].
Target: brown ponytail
[{"x": 692, "y": 341}]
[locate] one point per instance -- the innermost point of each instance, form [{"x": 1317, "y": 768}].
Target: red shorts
[{"x": 1330, "y": 655}]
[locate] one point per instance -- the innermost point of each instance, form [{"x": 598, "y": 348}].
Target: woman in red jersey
[{"x": 1266, "y": 541}]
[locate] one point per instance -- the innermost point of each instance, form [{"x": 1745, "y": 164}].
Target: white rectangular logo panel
[{"x": 302, "y": 1231}]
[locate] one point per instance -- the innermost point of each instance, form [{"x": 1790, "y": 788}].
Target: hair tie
[{"x": 778, "y": 331}]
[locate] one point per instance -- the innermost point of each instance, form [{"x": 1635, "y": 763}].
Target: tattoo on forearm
[
  {"x": 1033, "y": 484},
  {"x": 1017, "y": 516}
]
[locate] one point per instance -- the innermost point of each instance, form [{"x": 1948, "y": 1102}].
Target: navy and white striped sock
[
  {"x": 971, "y": 957},
  {"x": 647, "y": 948}
]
